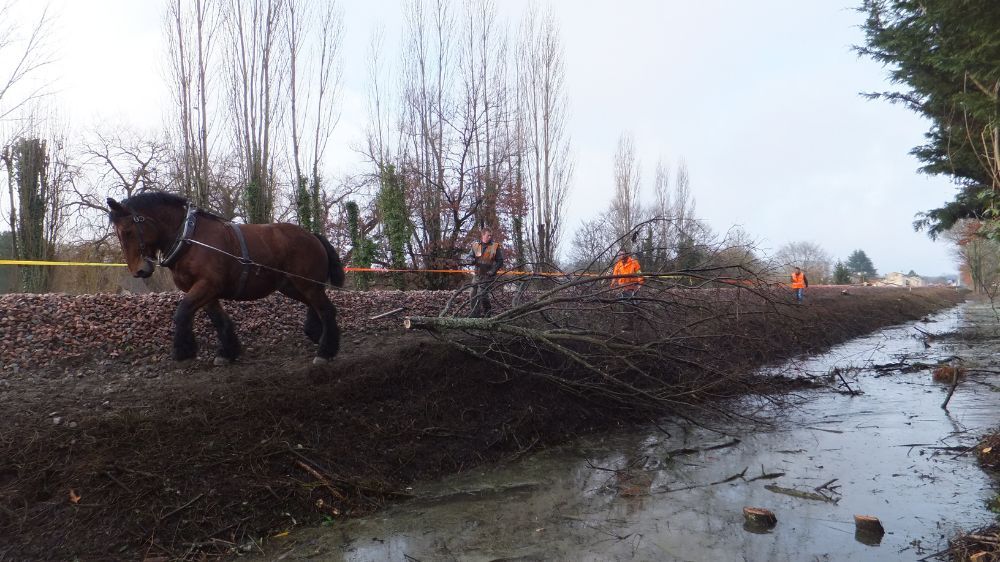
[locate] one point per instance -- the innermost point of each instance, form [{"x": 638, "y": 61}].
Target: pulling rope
[{"x": 249, "y": 262}]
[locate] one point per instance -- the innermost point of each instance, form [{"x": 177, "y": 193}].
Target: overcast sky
[{"x": 759, "y": 98}]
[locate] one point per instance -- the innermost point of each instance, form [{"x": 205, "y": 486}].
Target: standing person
[
  {"x": 799, "y": 284},
  {"x": 487, "y": 257},
  {"x": 628, "y": 266}
]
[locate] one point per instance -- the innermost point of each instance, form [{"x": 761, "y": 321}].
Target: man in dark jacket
[{"x": 487, "y": 257}]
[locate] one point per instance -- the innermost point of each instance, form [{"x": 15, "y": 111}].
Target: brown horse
[{"x": 212, "y": 259}]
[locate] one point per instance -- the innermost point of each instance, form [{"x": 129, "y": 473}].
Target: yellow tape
[{"x": 30, "y": 262}]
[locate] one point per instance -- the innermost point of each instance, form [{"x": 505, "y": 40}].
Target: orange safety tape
[
  {"x": 464, "y": 271},
  {"x": 380, "y": 270}
]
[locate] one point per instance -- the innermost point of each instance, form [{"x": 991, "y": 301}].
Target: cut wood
[
  {"x": 446, "y": 323},
  {"x": 868, "y": 524},
  {"x": 759, "y": 517}
]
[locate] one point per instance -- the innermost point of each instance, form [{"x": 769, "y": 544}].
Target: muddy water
[{"x": 890, "y": 450}]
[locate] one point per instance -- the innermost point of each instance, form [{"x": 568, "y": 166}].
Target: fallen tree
[{"x": 662, "y": 347}]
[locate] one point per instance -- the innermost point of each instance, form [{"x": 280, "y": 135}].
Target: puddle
[{"x": 891, "y": 450}]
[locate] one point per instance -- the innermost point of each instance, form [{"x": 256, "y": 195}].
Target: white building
[{"x": 896, "y": 279}]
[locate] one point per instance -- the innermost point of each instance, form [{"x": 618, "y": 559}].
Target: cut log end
[
  {"x": 868, "y": 524},
  {"x": 759, "y": 517},
  {"x": 407, "y": 323}
]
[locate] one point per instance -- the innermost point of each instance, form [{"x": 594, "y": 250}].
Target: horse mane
[{"x": 149, "y": 199}]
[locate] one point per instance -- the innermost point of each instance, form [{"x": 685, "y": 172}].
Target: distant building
[{"x": 896, "y": 279}]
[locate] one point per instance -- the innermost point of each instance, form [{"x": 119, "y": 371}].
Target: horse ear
[{"x": 117, "y": 207}]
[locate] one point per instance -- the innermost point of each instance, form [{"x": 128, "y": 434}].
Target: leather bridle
[{"x": 183, "y": 236}]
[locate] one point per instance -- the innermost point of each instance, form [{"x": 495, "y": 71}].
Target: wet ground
[{"x": 676, "y": 492}]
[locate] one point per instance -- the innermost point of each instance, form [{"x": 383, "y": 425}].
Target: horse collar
[{"x": 183, "y": 237}]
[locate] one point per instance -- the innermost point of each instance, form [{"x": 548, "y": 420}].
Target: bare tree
[
  {"x": 313, "y": 37},
  {"x": 378, "y": 147},
  {"x": 38, "y": 172},
  {"x": 662, "y": 208},
  {"x": 590, "y": 242},
  {"x": 426, "y": 113},
  {"x": 542, "y": 97},
  {"x": 436, "y": 158},
  {"x": 253, "y": 63},
  {"x": 977, "y": 255},
  {"x": 488, "y": 106},
  {"x": 626, "y": 207},
  {"x": 809, "y": 256},
  {"x": 191, "y": 27},
  {"x": 24, "y": 52},
  {"x": 118, "y": 161},
  {"x": 684, "y": 203}
]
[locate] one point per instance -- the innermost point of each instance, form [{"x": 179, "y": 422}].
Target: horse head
[{"x": 138, "y": 235}]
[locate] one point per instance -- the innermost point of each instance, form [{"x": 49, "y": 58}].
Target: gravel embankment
[{"x": 47, "y": 330}]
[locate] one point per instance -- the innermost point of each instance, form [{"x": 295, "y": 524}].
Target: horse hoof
[
  {"x": 222, "y": 362},
  {"x": 320, "y": 360}
]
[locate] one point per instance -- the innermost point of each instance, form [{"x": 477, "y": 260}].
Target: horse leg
[
  {"x": 229, "y": 343},
  {"x": 185, "y": 346},
  {"x": 329, "y": 342},
  {"x": 314, "y": 325},
  {"x": 321, "y": 318}
]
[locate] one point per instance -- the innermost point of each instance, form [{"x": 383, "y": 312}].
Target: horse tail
[{"x": 336, "y": 267}]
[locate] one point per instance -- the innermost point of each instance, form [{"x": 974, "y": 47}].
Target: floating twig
[
  {"x": 692, "y": 450},
  {"x": 954, "y": 385},
  {"x": 826, "y": 485},
  {"x": 826, "y": 430},
  {"x": 850, "y": 390},
  {"x": 799, "y": 494},
  {"x": 766, "y": 475}
]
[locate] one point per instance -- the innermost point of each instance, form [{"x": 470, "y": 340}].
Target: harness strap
[
  {"x": 187, "y": 231},
  {"x": 245, "y": 260}
]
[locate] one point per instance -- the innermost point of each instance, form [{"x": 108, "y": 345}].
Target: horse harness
[{"x": 184, "y": 238}]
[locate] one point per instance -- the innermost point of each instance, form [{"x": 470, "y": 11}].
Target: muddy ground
[{"x": 131, "y": 457}]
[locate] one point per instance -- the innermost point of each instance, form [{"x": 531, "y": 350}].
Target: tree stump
[
  {"x": 868, "y": 530},
  {"x": 758, "y": 518}
]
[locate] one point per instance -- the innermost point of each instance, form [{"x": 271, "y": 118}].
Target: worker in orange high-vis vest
[
  {"x": 799, "y": 284},
  {"x": 487, "y": 257},
  {"x": 628, "y": 267}
]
